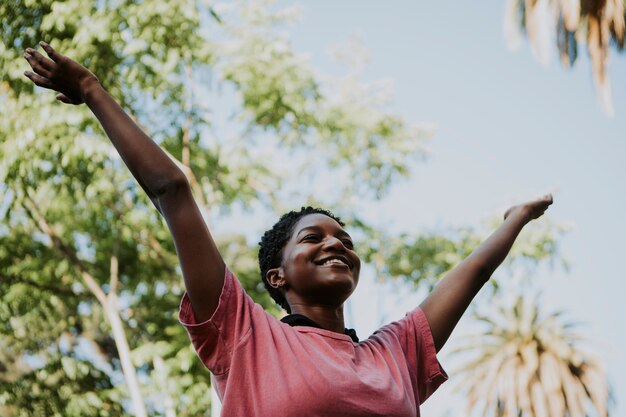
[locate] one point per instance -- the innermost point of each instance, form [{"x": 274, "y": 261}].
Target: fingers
[
  {"x": 541, "y": 205},
  {"x": 549, "y": 198},
  {"x": 534, "y": 208},
  {"x": 36, "y": 63},
  {"x": 39, "y": 80},
  {"x": 42, "y": 60},
  {"x": 54, "y": 55},
  {"x": 64, "y": 99},
  {"x": 546, "y": 199},
  {"x": 39, "y": 63}
]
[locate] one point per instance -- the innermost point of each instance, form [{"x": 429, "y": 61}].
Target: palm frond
[
  {"x": 599, "y": 24},
  {"x": 527, "y": 364}
]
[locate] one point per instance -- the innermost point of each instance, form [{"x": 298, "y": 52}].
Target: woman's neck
[{"x": 330, "y": 318}]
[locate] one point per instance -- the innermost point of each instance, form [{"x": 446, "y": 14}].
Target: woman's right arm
[{"x": 165, "y": 184}]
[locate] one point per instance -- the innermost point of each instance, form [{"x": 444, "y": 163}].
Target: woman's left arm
[{"x": 446, "y": 304}]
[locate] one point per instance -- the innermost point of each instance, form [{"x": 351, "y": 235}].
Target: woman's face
[{"x": 319, "y": 264}]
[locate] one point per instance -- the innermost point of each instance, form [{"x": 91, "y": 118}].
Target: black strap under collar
[{"x": 300, "y": 320}]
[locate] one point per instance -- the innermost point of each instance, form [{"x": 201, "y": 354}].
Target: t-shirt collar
[{"x": 301, "y": 320}]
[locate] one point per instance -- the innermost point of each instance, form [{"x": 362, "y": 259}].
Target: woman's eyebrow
[{"x": 304, "y": 229}]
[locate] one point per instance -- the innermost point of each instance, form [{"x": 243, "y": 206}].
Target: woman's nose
[{"x": 335, "y": 243}]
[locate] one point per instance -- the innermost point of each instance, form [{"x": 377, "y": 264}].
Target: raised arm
[
  {"x": 157, "y": 174},
  {"x": 446, "y": 304}
]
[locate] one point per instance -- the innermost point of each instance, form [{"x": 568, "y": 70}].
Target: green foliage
[
  {"x": 64, "y": 387},
  {"x": 421, "y": 259},
  {"x": 70, "y": 210}
]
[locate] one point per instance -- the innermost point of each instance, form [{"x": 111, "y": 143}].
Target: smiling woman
[
  {"x": 272, "y": 247},
  {"x": 316, "y": 270},
  {"x": 310, "y": 267},
  {"x": 308, "y": 364}
]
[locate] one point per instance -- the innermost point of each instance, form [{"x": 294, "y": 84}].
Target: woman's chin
[{"x": 340, "y": 283}]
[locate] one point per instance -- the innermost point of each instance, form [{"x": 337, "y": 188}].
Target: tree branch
[
  {"x": 51, "y": 288},
  {"x": 114, "y": 266},
  {"x": 167, "y": 258},
  {"x": 186, "y": 154},
  {"x": 64, "y": 249}
]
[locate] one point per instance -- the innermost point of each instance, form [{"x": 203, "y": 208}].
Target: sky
[{"x": 507, "y": 129}]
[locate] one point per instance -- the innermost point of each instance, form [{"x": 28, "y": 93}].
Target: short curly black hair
[{"x": 273, "y": 242}]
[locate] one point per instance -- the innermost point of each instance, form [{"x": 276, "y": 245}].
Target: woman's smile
[{"x": 340, "y": 261}]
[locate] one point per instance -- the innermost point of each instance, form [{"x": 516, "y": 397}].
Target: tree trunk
[
  {"x": 130, "y": 374},
  {"x": 108, "y": 302},
  {"x": 161, "y": 375}
]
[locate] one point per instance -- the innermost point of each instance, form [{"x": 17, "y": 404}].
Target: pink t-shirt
[{"x": 267, "y": 368}]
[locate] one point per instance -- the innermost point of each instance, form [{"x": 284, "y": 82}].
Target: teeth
[{"x": 334, "y": 262}]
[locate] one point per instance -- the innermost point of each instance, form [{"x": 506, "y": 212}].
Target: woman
[{"x": 308, "y": 364}]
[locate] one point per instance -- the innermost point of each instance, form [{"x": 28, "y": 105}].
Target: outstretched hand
[
  {"x": 532, "y": 209},
  {"x": 59, "y": 73}
]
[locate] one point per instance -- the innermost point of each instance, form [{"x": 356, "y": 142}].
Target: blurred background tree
[
  {"x": 598, "y": 24},
  {"x": 529, "y": 363},
  {"x": 89, "y": 280}
]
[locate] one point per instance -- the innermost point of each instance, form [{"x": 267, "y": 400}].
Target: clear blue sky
[{"x": 507, "y": 129}]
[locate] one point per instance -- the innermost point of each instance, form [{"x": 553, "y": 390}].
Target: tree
[
  {"x": 90, "y": 286},
  {"x": 89, "y": 282},
  {"x": 597, "y": 23},
  {"x": 528, "y": 364}
]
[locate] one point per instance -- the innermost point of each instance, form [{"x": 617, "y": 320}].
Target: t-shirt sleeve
[
  {"x": 416, "y": 341},
  {"x": 216, "y": 338}
]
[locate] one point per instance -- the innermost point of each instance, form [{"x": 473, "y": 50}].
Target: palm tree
[
  {"x": 598, "y": 23},
  {"x": 528, "y": 366}
]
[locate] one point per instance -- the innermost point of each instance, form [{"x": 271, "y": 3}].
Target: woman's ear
[{"x": 276, "y": 278}]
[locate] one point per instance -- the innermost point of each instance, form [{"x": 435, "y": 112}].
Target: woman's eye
[
  {"x": 310, "y": 238},
  {"x": 348, "y": 244}
]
